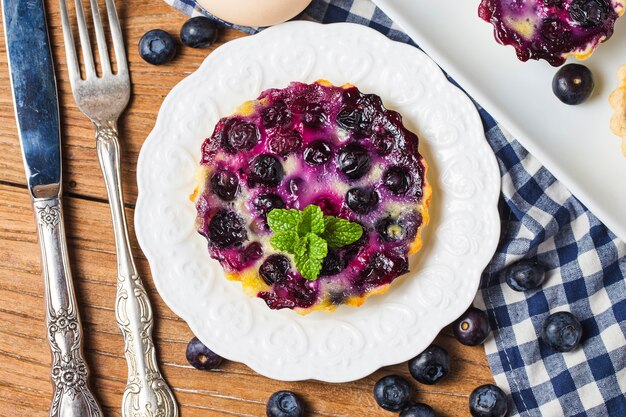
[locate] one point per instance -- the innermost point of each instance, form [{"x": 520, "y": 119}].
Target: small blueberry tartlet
[
  {"x": 552, "y": 29},
  {"x": 312, "y": 196}
]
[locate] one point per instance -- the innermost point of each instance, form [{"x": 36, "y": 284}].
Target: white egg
[{"x": 254, "y": 12}]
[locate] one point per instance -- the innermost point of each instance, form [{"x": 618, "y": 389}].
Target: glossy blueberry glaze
[
  {"x": 551, "y": 29},
  {"x": 326, "y": 140}
]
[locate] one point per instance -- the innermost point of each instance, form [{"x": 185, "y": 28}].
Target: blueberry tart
[
  {"x": 552, "y": 29},
  {"x": 312, "y": 196}
]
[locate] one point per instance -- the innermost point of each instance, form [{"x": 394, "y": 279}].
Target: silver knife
[{"x": 37, "y": 114}]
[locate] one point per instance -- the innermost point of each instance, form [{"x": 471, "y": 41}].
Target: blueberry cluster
[{"x": 158, "y": 47}]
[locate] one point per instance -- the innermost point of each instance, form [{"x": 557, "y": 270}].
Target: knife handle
[
  {"x": 71, "y": 395},
  {"x": 147, "y": 392}
]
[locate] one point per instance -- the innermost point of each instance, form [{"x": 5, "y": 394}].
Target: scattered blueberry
[
  {"x": 392, "y": 392},
  {"x": 201, "y": 357},
  {"x": 333, "y": 264},
  {"x": 317, "y": 153},
  {"x": 225, "y": 185},
  {"x": 590, "y": 13},
  {"x": 349, "y": 118},
  {"x": 362, "y": 200},
  {"x": 274, "y": 269},
  {"x": 354, "y": 161},
  {"x": 284, "y": 404},
  {"x": 226, "y": 229},
  {"x": 525, "y": 275},
  {"x": 430, "y": 366},
  {"x": 157, "y": 47},
  {"x": 562, "y": 331},
  {"x": 397, "y": 180},
  {"x": 265, "y": 170},
  {"x": 239, "y": 135},
  {"x": 276, "y": 115},
  {"x": 472, "y": 328},
  {"x": 266, "y": 202},
  {"x": 418, "y": 410},
  {"x": 314, "y": 115},
  {"x": 488, "y": 401},
  {"x": 199, "y": 32},
  {"x": 573, "y": 84}
]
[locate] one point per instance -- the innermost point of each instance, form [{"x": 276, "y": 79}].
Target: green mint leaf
[
  {"x": 285, "y": 241},
  {"x": 312, "y": 221},
  {"x": 309, "y": 262},
  {"x": 340, "y": 232},
  {"x": 281, "y": 220}
]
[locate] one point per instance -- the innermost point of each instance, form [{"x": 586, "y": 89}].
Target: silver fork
[{"x": 103, "y": 99}]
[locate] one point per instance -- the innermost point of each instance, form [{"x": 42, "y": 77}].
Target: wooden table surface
[{"x": 233, "y": 389}]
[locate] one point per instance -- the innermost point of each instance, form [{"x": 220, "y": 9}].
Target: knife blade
[
  {"x": 35, "y": 94},
  {"x": 34, "y": 89}
]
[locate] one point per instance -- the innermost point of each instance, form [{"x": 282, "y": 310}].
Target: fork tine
[
  {"x": 70, "y": 48},
  {"x": 84, "y": 40},
  {"x": 100, "y": 39},
  {"x": 118, "y": 40}
]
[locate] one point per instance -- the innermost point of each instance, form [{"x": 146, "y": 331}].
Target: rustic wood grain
[{"x": 233, "y": 389}]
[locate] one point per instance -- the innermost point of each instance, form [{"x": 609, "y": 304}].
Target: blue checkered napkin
[{"x": 586, "y": 262}]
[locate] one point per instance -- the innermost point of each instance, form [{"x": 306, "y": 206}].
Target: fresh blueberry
[
  {"x": 274, "y": 269},
  {"x": 418, "y": 410},
  {"x": 284, "y": 143},
  {"x": 488, "y": 401},
  {"x": 430, "y": 366},
  {"x": 201, "y": 357},
  {"x": 397, "y": 180},
  {"x": 284, "y": 404},
  {"x": 314, "y": 115},
  {"x": 225, "y": 185},
  {"x": 354, "y": 161},
  {"x": 333, "y": 264},
  {"x": 239, "y": 135},
  {"x": 157, "y": 47},
  {"x": 266, "y": 202},
  {"x": 590, "y": 13},
  {"x": 562, "y": 331},
  {"x": 472, "y": 328},
  {"x": 199, "y": 32},
  {"x": 317, "y": 153},
  {"x": 265, "y": 170},
  {"x": 276, "y": 115},
  {"x": 525, "y": 275},
  {"x": 362, "y": 200},
  {"x": 390, "y": 230},
  {"x": 392, "y": 392},
  {"x": 226, "y": 229},
  {"x": 573, "y": 84}
]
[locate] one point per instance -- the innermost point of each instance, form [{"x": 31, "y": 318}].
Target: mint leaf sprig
[{"x": 308, "y": 234}]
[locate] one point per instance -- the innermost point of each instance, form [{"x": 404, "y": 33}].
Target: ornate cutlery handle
[
  {"x": 71, "y": 396},
  {"x": 147, "y": 393}
]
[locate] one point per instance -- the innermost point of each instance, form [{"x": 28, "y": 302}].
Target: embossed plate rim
[{"x": 345, "y": 345}]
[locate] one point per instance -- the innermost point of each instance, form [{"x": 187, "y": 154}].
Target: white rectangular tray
[{"x": 573, "y": 142}]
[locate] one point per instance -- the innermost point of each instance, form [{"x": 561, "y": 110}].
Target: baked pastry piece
[
  {"x": 552, "y": 29},
  {"x": 617, "y": 99},
  {"x": 322, "y": 145}
]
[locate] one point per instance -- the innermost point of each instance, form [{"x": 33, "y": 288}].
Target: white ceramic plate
[
  {"x": 352, "y": 342},
  {"x": 574, "y": 142}
]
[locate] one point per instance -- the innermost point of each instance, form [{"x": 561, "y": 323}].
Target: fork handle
[
  {"x": 146, "y": 392},
  {"x": 71, "y": 395}
]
